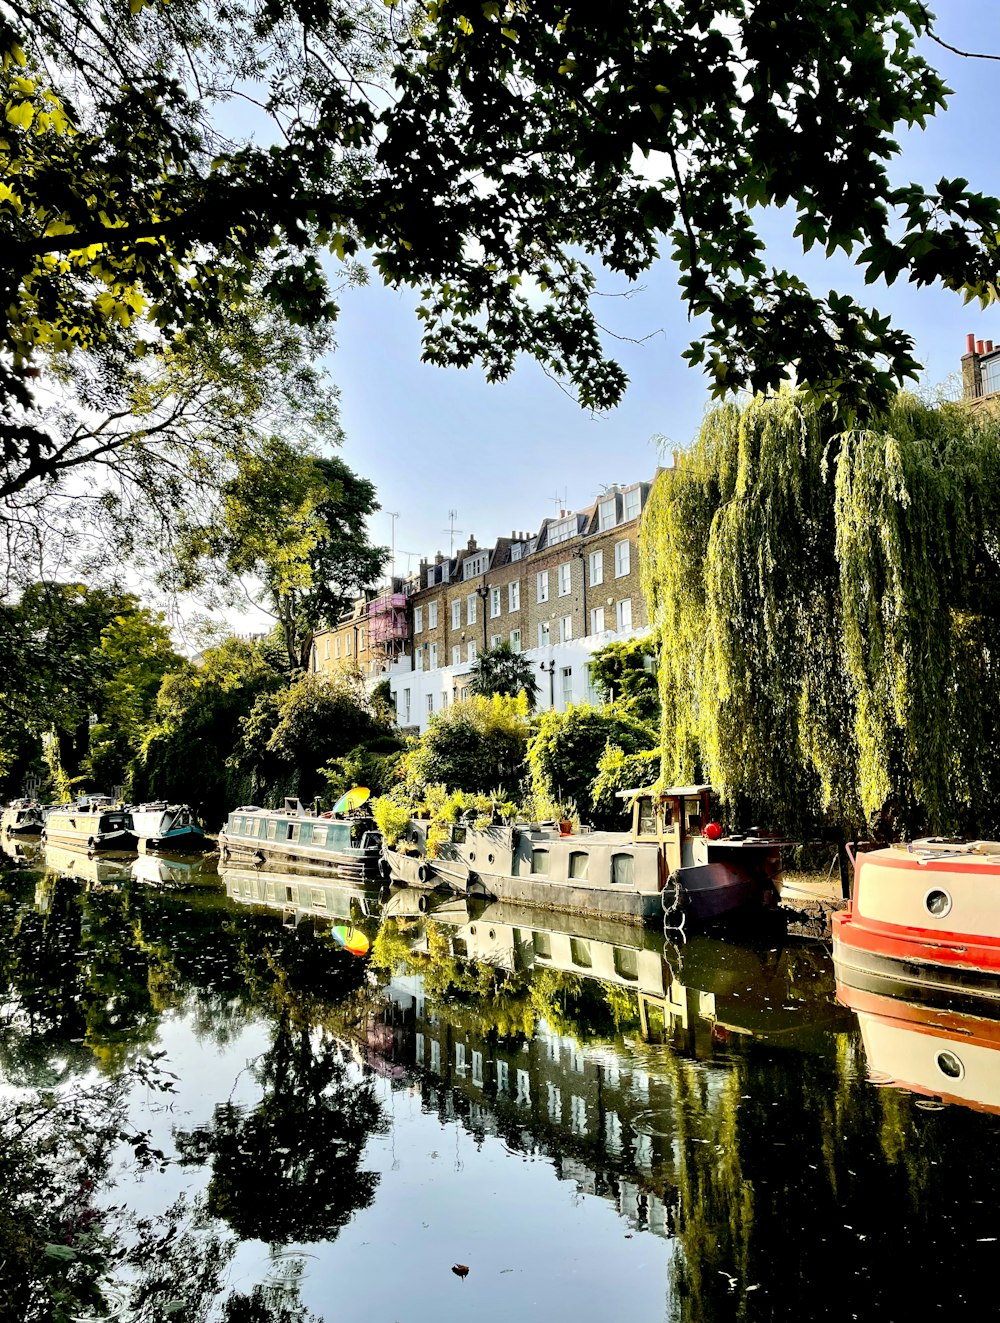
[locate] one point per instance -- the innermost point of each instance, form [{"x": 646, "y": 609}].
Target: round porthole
[
  {"x": 493, "y": 935},
  {"x": 489, "y": 858},
  {"x": 938, "y": 903},
  {"x": 472, "y": 855},
  {"x": 949, "y": 1065}
]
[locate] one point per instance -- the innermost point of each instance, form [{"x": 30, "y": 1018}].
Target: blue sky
[{"x": 503, "y": 456}]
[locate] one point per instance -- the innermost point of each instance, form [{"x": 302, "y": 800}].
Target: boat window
[
  {"x": 238, "y": 825},
  {"x": 459, "y": 946},
  {"x": 319, "y": 834},
  {"x": 542, "y": 943},
  {"x": 579, "y": 953},
  {"x": 623, "y": 869},
  {"x": 539, "y": 861},
  {"x": 692, "y": 816},
  {"x": 292, "y": 831},
  {"x": 272, "y": 829},
  {"x": 667, "y": 813},
  {"x": 458, "y": 835},
  {"x": 647, "y": 818},
  {"x": 626, "y": 963},
  {"x": 318, "y": 898},
  {"x": 289, "y": 894},
  {"x": 578, "y": 862}
]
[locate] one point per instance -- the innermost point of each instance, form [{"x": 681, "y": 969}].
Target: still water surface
[{"x": 598, "y": 1124}]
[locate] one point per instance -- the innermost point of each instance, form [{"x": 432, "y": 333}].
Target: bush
[
  {"x": 565, "y": 752},
  {"x": 618, "y": 770},
  {"x": 476, "y": 746}
]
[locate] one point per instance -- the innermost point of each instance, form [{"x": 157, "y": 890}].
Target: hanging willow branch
[{"x": 826, "y": 605}]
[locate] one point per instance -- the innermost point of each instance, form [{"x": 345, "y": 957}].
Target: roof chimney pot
[
  {"x": 980, "y": 347},
  {"x": 970, "y": 343}
]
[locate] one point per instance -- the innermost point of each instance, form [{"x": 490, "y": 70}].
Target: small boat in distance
[
  {"x": 349, "y": 845},
  {"x": 163, "y": 826},
  {"x": 669, "y": 864},
  {"x": 22, "y": 817},
  {"x": 924, "y": 922},
  {"x": 97, "y": 826}
]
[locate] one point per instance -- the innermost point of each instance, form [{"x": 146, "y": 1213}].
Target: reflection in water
[{"x": 713, "y": 1094}]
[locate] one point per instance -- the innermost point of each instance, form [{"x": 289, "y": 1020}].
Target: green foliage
[
  {"x": 618, "y": 770},
  {"x": 74, "y": 655},
  {"x": 392, "y": 819},
  {"x": 566, "y": 749},
  {"x": 622, "y": 672},
  {"x": 823, "y": 602},
  {"x": 296, "y": 522},
  {"x": 128, "y": 219},
  {"x": 200, "y": 715},
  {"x": 476, "y": 745},
  {"x": 501, "y": 670},
  {"x": 363, "y": 766}
]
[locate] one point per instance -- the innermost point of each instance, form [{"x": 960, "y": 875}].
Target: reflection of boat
[
  {"x": 944, "y": 1054},
  {"x": 21, "y": 817},
  {"x": 521, "y": 937},
  {"x": 301, "y": 895},
  {"x": 926, "y": 916},
  {"x": 163, "y": 870},
  {"x": 95, "y": 827},
  {"x": 350, "y": 845},
  {"x": 769, "y": 993},
  {"x": 164, "y": 826},
  {"x": 23, "y": 850},
  {"x": 667, "y": 862},
  {"x": 105, "y": 870}
]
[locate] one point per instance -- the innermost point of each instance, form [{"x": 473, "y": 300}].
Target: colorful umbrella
[{"x": 352, "y": 800}]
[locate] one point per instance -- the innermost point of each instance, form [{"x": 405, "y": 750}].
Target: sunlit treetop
[{"x": 491, "y": 155}]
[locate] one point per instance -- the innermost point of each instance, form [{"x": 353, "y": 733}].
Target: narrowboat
[
  {"x": 667, "y": 866},
  {"x": 94, "y": 827},
  {"x": 951, "y": 1056},
  {"x": 350, "y": 845},
  {"x": 924, "y": 918},
  {"x": 22, "y": 817},
  {"x": 163, "y": 826}
]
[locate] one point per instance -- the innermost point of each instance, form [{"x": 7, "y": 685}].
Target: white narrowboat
[
  {"x": 348, "y": 845},
  {"x": 22, "y": 817},
  {"x": 96, "y": 827},
  {"x": 163, "y": 826}
]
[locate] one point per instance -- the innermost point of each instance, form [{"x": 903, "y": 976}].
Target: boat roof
[{"x": 667, "y": 792}]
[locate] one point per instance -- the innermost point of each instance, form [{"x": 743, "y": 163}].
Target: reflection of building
[{"x": 585, "y": 1107}]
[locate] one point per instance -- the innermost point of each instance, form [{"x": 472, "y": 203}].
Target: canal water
[{"x": 361, "y": 1109}]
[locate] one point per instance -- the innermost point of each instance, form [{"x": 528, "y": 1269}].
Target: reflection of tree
[
  {"x": 805, "y": 1192},
  {"x": 288, "y": 1168}
]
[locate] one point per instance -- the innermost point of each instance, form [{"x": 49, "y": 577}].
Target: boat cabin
[{"x": 674, "y": 819}]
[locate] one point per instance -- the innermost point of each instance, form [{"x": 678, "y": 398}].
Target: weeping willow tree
[{"x": 826, "y": 605}]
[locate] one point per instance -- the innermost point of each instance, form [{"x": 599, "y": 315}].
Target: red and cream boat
[
  {"x": 924, "y": 922},
  {"x": 950, "y": 1056}
]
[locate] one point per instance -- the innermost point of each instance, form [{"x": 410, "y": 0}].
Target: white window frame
[
  {"x": 494, "y": 603},
  {"x": 418, "y": 620},
  {"x": 607, "y": 513},
  {"x": 406, "y": 707},
  {"x": 565, "y": 578},
  {"x": 596, "y": 568},
  {"x": 565, "y": 629},
  {"x": 432, "y": 657},
  {"x": 496, "y": 640},
  {"x": 623, "y": 609},
  {"x": 432, "y": 615},
  {"x": 623, "y": 559},
  {"x": 597, "y": 620},
  {"x": 430, "y": 704},
  {"x": 544, "y": 634},
  {"x": 515, "y": 640},
  {"x": 470, "y": 609},
  {"x": 542, "y": 586},
  {"x": 632, "y": 504},
  {"x": 456, "y": 614},
  {"x": 470, "y": 651},
  {"x": 566, "y": 684},
  {"x": 456, "y": 654},
  {"x": 514, "y": 596},
  {"x": 418, "y": 659}
]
